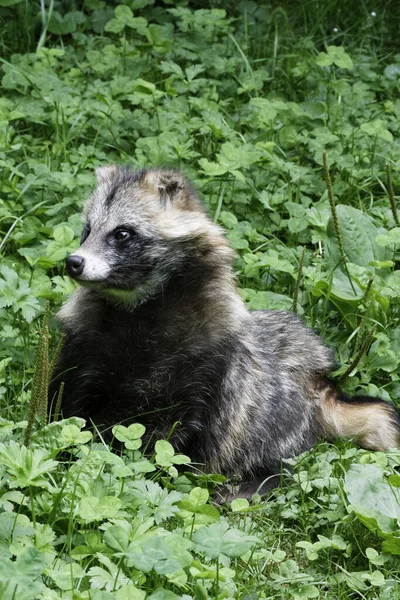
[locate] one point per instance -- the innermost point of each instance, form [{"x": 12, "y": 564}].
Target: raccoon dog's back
[{"x": 158, "y": 334}]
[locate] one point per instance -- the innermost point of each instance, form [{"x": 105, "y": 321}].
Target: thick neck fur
[{"x": 200, "y": 296}]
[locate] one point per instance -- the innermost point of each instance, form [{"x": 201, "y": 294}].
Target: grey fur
[{"x": 159, "y": 334}]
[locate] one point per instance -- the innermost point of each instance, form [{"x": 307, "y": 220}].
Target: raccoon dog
[{"x": 158, "y": 334}]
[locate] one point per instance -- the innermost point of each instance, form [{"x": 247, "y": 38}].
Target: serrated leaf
[
  {"x": 265, "y": 300},
  {"x": 92, "y": 508},
  {"x": 20, "y": 578},
  {"x": 219, "y": 538},
  {"x": 26, "y": 466}
]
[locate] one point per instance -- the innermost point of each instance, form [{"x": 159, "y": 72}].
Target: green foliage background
[{"x": 244, "y": 97}]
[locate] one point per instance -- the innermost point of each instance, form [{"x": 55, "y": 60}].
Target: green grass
[{"x": 245, "y": 98}]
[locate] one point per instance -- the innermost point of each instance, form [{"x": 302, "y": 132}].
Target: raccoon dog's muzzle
[
  {"x": 75, "y": 265},
  {"x": 87, "y": 267}
]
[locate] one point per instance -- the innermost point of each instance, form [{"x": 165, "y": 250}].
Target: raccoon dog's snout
[{"x": 75, "y": 265}]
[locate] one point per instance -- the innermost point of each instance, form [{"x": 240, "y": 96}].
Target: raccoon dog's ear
[
  {"x": 106, "y": 174},
  {"x": 171, "y": 187}
]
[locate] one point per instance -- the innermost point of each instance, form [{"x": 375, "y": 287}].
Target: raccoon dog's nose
[{"x": 75, "y": 265}]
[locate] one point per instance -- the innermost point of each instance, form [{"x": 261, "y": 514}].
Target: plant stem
[
  {"x": 298, "y": 281},
  {"x": 56, "y": 354},
  {"x": 32, "y": 507},
  {"x": 40, "y": 381},
  {"x": 332, "y": 205},
  {"x": 364, "y": 302},
  {"x": 335, "y": 218},
  {"x": 391, "y": 194},
  {"x": 57, "y": 410},
  {"x": 364, "y": 347}
]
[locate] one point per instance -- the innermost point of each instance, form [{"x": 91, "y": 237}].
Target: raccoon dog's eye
[
  {"x": 85, "y": 233},
  {"x": 122, "y": 235}
]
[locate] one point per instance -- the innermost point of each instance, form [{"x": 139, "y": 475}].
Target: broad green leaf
[
  {"x": 116, "y": 537},
  {"x": 365, "y": 486},
  {"x": 308, "y": 591},
  {"x": 228, "y": 219},
  {"x": 51, "y": 436},
  {"x": 143, "y": 466},
  {"x": 64, "y": 574},
  {"x": 64, "y": 235},
  {"x": 71, "y": 435},
  {"x": 130, "y": 592},
  {"x": 392, "y": 544},
  {"x": 123, "y": 12},
  {"x": 375, "y": 503},
  {"x": 65, "y": 24},
  {"x": 163, "y": 594},
  {"x": 392, "y": 285},
  {"x": 270, "y": 259},
  {"x": 164, "y": 453},
  {"x": 239, "y": 504},
  {"x": 212, "y": 169},
  {"x": 198, "y": 496},
  {"x": 359, "y": 233},
  {"x": 374, "y": 557},
  {"x": 62, "y": 246},
  {"x": 391, "y": 237},
  {"x": 20, "y": 578},
  {"x": 156, "y": 555},
  {"x": 265, "y": 109},
  {"x": 334, "y": 55},
  {"x": 124, "y": 18},
  {"x": 310, "y": 549},
  {"x": 378, "y": 129},
  {"x": 131, "y": 436}
]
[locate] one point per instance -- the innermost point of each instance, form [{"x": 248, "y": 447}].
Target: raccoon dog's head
[{"x": 139, "y": 229}]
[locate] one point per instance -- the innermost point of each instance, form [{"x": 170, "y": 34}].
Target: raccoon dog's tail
[{"x": 370, "y": 422}]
